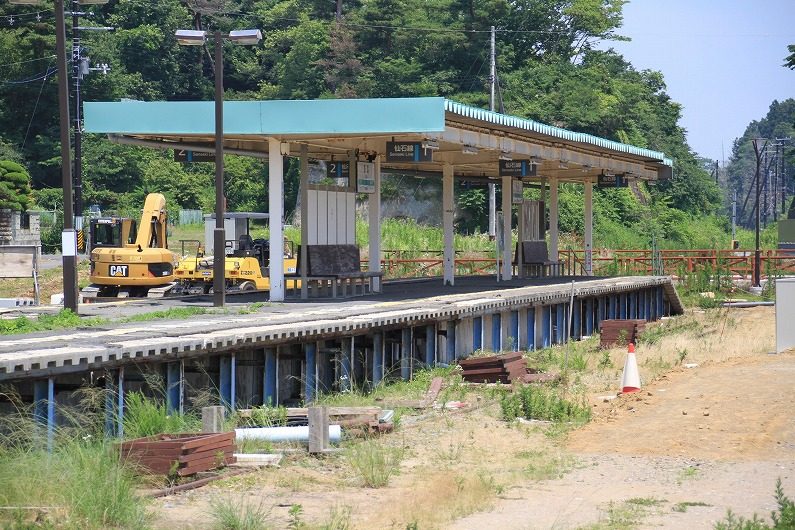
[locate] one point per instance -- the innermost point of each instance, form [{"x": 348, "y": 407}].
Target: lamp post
[
  {"x": 68, "y": 236},
  {"x": 198, "y": 38}
]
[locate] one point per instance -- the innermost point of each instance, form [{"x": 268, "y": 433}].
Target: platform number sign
[{"x": 119, "y": 271}]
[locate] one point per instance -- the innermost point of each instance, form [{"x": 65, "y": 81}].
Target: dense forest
[{"x": 548, "y": 70}]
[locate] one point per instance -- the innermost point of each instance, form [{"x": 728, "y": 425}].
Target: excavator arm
[{"x": 152, "y": 229}]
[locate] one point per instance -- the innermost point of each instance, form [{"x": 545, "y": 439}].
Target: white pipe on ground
[{"x": 285, "y": 434}]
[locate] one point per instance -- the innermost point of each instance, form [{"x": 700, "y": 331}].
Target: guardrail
[
  {"x": 678, "y": 263},
  {"x": 736, "y": 263}
]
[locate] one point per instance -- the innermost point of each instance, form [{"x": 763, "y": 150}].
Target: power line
[{"x": 45, "y": 58}]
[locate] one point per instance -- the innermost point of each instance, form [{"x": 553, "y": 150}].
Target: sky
[{"x": 722, "y": 60}]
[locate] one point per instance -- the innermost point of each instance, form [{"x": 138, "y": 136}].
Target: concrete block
[
  {"x": 213, "y": 419},
  {"x": 318, "y": 429}
]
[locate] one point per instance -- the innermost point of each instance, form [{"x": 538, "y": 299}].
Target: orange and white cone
[{"x": 630, "y": 381}]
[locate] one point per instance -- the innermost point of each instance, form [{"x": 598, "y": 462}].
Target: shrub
[
  {"x": 374, "y": 463},
  {"x": 538, "y": 403}
]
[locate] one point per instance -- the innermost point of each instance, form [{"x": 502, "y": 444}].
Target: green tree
[{"x": 15, "y": 190}]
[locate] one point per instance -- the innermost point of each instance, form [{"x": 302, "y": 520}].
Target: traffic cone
[{"x": 630, "y": 381}]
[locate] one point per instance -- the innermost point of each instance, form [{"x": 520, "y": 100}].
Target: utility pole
[
  {"x": 492, "y": 86},
  {"x": 756, "y": 280}
]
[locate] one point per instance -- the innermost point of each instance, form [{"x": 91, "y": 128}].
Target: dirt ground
[{"x": 693, "y": 443}]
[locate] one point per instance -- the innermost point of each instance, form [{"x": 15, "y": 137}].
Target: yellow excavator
[{"x": 129, "y": 259}]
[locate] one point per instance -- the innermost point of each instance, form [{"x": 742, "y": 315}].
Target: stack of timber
[
  {"x": 180, "y": 454},
  {"x": 367, "y": 417},
  {"x": 620, "y": 332},
  {"x": 505, "y": 368}
]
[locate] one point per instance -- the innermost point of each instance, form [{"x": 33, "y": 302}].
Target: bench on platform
[
  {"x": 535, "y": 259},
  {"x": 334, "y": 270}
]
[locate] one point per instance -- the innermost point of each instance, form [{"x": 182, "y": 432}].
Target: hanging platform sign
[
  {"x": 517, "y": 168},
  {"x": 365, "y": 177},
  {"x": 186, "y": 155},
  {"x": 407, "y": 152},
  {"x": 613, "y": 181},
  {"x": 338, "y": 169},
  {"x": 517, "y": 192}
]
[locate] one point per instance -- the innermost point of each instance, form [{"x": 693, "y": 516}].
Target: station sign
[
  {"x": 365, "y": 177},
  {"x": 517, "y": 168},
  {"x": 186, "y": 155},
  {"x": 613, "y": 181},
  {"x": 338, "y": 169},
  {"x": 407, "y": 152}
]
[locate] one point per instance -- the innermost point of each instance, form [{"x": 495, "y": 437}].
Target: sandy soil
[{"x": 695, "y": 442}]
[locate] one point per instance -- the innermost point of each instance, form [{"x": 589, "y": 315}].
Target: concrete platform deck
[{"x": 401, "y": 304}]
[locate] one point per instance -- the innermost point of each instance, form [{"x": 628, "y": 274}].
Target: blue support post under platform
[
  {"x": 269, "y": 379},
  {"x": 430, "y": 345},
  {"x": 406, "y": 354},
  {"x": 378, "y": 358},
  {"x": 531, "y": 328},
  {"x": 44, "y": 407},
  {"x": 612, "y": 311},
  {"x": 226, "y": 383},
  {"x": 450, "y": 342},
  {"x": 513, "y": 330},
  {"x": 546, "y": 326},
  {"x": 601, "y": 311},
  {"x": 496, "y": 332},
  {"x": 660, "y": 303},
  {"x": 622, "y": 305},
  {"x": 560, "y": 323},
  {"x": 310, "y": 384},
  {"x": 589, "y": 317},
  {"x": 576, "y": 320},
  {"x": 174, "y": 387},
  {"x": 477, "y": 333},
  {"x": 110, "y": 404},
  {"x": 120, "y": 403},
  {"x": 633, "y": 305}
]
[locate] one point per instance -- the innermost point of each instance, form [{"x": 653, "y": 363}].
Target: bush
[
  {"x": 538, "y": 403},
  {"x": 374, "y": 463},
  {"x": 147, "y": 417}
]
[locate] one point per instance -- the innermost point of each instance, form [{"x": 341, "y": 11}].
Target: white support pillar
[
  {"x": 507, "y": 239},
  {"x": 304, "y": 189},
  {"x": 448, "y": 209},
  {"x": 276, "y": 211},
  {"x": 374, "y": 212},
  {"x": 588, "y": 227},
  {"x": 553, "y": 218}
]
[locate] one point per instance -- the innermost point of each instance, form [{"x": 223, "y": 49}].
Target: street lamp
[
  {"x": 189, "y": 37},
  {"x": 68, "y": 237}
]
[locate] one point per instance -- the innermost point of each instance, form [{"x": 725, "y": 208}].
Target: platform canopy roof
[{"x": 471, "y": 139}]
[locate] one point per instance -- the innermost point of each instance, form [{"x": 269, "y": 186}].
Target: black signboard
[
  {"x": 407, "y": 152},
  {"x": 338, "y": 170},
  {"x": 517, "y": 168},
  {"x": 186, "y": 155},
  {"x": 613, "y": 181}
]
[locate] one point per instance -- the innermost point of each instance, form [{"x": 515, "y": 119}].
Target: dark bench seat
[
  {"x": 334, "y": 270},
  {"x": 535, "y": 259}
]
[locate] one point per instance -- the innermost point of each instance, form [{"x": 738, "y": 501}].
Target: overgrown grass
[
  {"x": 546, "y": 464},
  {"x": 373, "y": 462},
  {"x": 82, "y": 484},
  {"x": 540, "y": 403},
  {"x": 147, "y": 417},
  {"x": 66, "y": 319},
  {"x": 226, "y": 514}
]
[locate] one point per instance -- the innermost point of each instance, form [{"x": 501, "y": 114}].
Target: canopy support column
[
  {"x": 588, "y": 227},
  {"x": 276, "y": 211},
  {"x": 448, "y": 209},
  {"x": 374, "y": 212},
  {"x": 553, "y": 218},
  {"x": 507, "y": 250}
]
